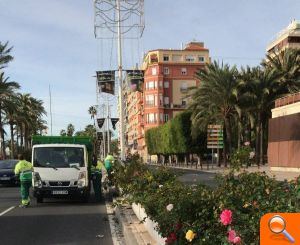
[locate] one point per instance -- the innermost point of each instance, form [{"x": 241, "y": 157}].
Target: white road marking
[{"x": 7, "y": 210}]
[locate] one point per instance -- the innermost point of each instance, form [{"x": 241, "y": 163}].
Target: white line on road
[{"x": 7, "y": 210}]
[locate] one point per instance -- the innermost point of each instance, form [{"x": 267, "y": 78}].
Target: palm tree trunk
[
  {"x": 21, "y": 135},
  {"x": 257, "y": 145},
  {"x": 17, "y": 135},
  {"x": 228, "y": 139},
  {"x": 239, "y": 134},
  {"x": 12, "y": 152},
  {"x": 261, "y": 159},
  {"x": 2, "y": 153},
  {"x": 26, "y": 137}
]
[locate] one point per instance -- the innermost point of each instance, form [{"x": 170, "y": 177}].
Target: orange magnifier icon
[{"x": 277, "y": 225}]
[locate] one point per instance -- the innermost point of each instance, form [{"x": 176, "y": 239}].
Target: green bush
[
  {"x": 241, "y": 157},
  {"x": 197, "y": 208}
]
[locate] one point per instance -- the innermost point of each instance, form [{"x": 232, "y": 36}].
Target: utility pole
[
  {"x": 121, "y": 97},
  {"x": 50, "y": 110},
  {"x": 119, "y": 19},
  {"x": 108, "y": 132}
]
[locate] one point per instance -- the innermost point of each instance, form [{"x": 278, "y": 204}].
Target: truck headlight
[
  {"x": 37, "y": 181},
  {"x": 82, "y": 179}
]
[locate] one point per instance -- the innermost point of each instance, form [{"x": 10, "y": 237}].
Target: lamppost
[{"x": 119, "y": 20}]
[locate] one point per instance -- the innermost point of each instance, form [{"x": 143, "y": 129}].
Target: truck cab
[{"x": 60, "y": 170}]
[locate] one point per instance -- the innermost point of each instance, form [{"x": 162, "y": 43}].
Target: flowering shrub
[
  {"x": 227, "y": 214},
  {"x": 226, "y": 217},
  {"x": 242, "y": 157}
]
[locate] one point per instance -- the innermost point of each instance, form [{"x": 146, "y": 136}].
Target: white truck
[{"x": 61, "y": 167}]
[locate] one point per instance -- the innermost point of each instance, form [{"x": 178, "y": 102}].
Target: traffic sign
[{"x": 215, "y": 138}]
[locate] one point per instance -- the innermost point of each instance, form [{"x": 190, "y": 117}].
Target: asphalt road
[
  {"x": 191, "y": 176},
  {"x": 53, "y": 222}
]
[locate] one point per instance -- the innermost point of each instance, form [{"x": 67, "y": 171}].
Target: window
[
  {"x": 154, "y": 71},
  {"x": 177, "y": 58},
  {"x": 183, "y": 87},
  {"x": 155, "y": 84},
  {"x": 166, "y": 117},
  {"x": 183, "y": 103},
  {"x": 58, "y": 157},
  {"x": 161, "y": 117},
  {"x": 190, "y": 58},
  {"x": 166, "y": 57},
  {"x": 183, "y": 71},
  {"x": 166, "y": 70},
  {"x": 160, "y": 84},
  {"x": 201, "y": 59},
  {"x": 160, "y": 99},
  {"x": 150, "y": 99},
  {"x": 155, "y": 100},
  {"x": 151, "y": 118},
  {"x": 151, "y": 85},
  {"x": 166, "y": 84},
  {"x": 166, "y": 101}
]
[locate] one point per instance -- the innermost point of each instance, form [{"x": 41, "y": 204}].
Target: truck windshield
[{"x": 58, "y": 157}]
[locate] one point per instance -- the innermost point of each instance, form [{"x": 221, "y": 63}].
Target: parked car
[{"x": 7, "y": 173}]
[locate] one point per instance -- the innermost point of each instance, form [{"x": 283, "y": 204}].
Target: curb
[{"x": 134, "y": 231}]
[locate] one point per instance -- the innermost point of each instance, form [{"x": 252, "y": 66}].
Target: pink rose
[
  {"x": 226, "y": 217},
  {"x": 237, "y": 240},
  {"x": 233, "y": 238},
  {"x": 231, "y": 235}
]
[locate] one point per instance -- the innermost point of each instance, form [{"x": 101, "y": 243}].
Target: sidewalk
[
  {"x": 279, "y": 175},
  {"x": 134, "y": 231}
]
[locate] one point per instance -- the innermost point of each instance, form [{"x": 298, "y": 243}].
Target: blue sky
[{"x": 54, "y": 42}]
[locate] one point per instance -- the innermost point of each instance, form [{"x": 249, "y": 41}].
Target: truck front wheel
[
  {"x": 39, "y": 199},
  {"x": 85, "y": 198}
]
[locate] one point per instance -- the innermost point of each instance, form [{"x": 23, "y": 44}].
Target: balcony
[
  {"x": 179, "y": 106},
  {"x": 184, "y": 90},
  {"x": 290, "y": 99}
]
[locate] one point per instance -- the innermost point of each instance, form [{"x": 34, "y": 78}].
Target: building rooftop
[
  {"x": 191, "y": 46},
  {"x": 293, "y": 29}
]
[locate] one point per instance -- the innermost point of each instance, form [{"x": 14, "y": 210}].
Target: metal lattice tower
[{"x": 119, "y": 19}]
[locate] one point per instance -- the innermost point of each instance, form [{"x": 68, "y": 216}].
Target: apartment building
[
  {"x": 284, "y": 126},
  {"x": 135, "y": 122},
  {"x": 289, "y": 37},
  {"x": 168, "y": 75}
]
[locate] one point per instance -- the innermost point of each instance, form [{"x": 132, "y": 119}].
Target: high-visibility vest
[
  {"x": 108, "y": 162},
  {"x": 24, "y": 169},
  {"x": 98, "y": 168}
]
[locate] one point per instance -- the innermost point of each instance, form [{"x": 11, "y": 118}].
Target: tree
[
  {"x": 7, "y": 91},
  {"x": 11, "y": 113},
  {"x": 31, "y": 112},
  {"x": 215, "y": 100},
  {"x": 5, "y": 56},
  {"x": 63, "y": 132},
  {"x": 287, "y": 65},
  {"x": 70, "y": 129},
  {"x": 263, "y": 90},
  {"x": 93, "y": 112}
]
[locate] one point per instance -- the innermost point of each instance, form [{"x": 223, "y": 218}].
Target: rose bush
[{"x": 227, "y": 214}]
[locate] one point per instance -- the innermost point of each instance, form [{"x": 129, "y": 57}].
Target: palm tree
[
  {"x": 93, "y": 112},
  {"x": 7, "y": 91},
  {"x": 32, "y": 110},
  {"x": 287, "y": 64},
  {"x": 5, "y": 56},
  {"x": 262, "y": 90},
  {"x": 215, "y": 99},
  {"x": 11, "y": 113},
  {"x": 63, "y": 132},
  {"x": 70, "y": 129}
]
